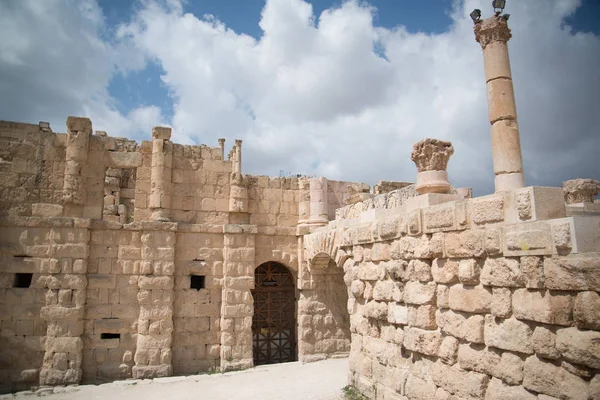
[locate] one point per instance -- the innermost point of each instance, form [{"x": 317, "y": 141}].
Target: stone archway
[{"x": 274, "y": 320}]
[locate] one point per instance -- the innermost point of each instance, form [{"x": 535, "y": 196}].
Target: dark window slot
[
  {"x": 20, "y": 256},
  {"x": 110, "y": 336},
  {"x": 197, "y": 282},
  {"x": 22, "y": 280},
  {"x": 199, "y": 259}
]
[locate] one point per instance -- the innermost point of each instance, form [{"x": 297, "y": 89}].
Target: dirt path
[{"x": 292, "y": 381}]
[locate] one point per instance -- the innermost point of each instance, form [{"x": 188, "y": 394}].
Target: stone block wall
[{"x": 487, "y": 298}]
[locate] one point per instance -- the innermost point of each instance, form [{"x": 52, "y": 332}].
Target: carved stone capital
[
  {"x": 494, "y": 29},
  {"x": 580, "y": 190},
  {"x": 431, "y": 155}
]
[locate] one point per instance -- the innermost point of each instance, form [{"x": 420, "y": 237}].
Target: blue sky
[{"x": 321, "y": 87}]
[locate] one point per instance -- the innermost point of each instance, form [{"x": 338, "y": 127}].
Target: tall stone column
[
  {"x": 160, "y": 175},
  {"x": 74, "y": 186},
  {"x": 222, "y": 146},
  {"x": 238, "y": 194},
  {"x": 319, "y": 215},
  {"x": 493, "y": 34},
  {"x": 303, "y": 201}
]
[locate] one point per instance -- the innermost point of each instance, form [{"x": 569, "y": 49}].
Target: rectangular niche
[
  {"x": 197, "y": 282},
  {"x": 110, "y": 335},
  {"x": 22, "y": 280}
]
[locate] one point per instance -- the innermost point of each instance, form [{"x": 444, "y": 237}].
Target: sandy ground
[{"x": 321, "y": 380}]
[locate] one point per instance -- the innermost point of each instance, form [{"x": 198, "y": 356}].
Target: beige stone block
[
  {"x": 422, "y": 341},
  {"x": 419, "y": 293},
  {"x": 579, "y": 347},
  {"x": 587, "y": 310},
  {"x": 461, "y": 383},
  {"x": 448, "y": 350},
  {"x": 528, "y": 239},
  {"x": 544, "y": 343},
  {"x": 397, "y": 314},
  {"x": 102, "y": 281},
  {"x": 444, "y": 270},
  {"x": 422, "y": 317},
  {"x": 508, "y": 334},
  {"x": 417, "y": 388},
  {"x": 469, "y": 270},
  {"x": 501, "y": 302},
  {"x": 478, "y": 358},
  {"x": 418, "y": 270},
  {"x": 487, "y": 209},
  {"x": 504, "y": 272},
  {"x": 501, "y": 100},
  {"x": 442, "y": 296},
  {"x": 46, "y": 210},
  {"x": 498, "y": 390},
  {"x": 465, "y": 244},
  {"x": 532, "y": 269},
  {"x": 510, "y": 368},
  {"x": 383, "y": 290},
  {"x": 572, "y": 273},
  {"x": 543, "y": 377},
  {"x": 470, "y": 299},
  {"x": 543, "y": 306}
]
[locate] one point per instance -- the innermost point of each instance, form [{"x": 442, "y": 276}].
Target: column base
[
  {"x": 512, "y": 181},
  {"x": 151, "y": 371}
]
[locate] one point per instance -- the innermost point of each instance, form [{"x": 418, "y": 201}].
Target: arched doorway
[{"x": 274, "y": 322}]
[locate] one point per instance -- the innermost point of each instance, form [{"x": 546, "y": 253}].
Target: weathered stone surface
[
  {"x": 458, "y": 382},
  {"x": 422, "y": 341},
  {"x": 469, "y": 243},
  {"x": 417, "y": 388},
  {"x": 397, "y": 314},
  {"x": 468, "y": 271},
  {"x": 497, "y": 390},
  {"x": 470, "y": 299},
  {"x": 444, "y": 270},
  {"x": 422, "y": 317},
  {"x": 580, "y": 190},
  {"x": 510, "y": 368},
  {"x": 543, "y": 377},
  {"x": 576, "y": 273},
  {"x": 431, "y": 154},
  {"x": 419, "y": 293},
  {"x": 543, "y": 306},
  {"x": 460, "y": 326},
  {"x": 501, "y": 302},
  {"x": 508, "y": 334},
  {"x": 533, "y": 271},
  {"x": 587, "y": 310},
  {"x": 418, "y": 270},
  {"x": 478, "y": 359},
  {"x": 487, "y": 210},
  {"x": 448, "y": 350},
  {"x": 544, "y": 343},
  {"x": 504, "y": 272},
  {"x": 580, "y": 347}
]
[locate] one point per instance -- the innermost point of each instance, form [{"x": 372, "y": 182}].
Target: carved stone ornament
[
  {"x": 494, "y": 29},
  {"x": 580, "y": 190},
  {"x": 431, "y": 155}
]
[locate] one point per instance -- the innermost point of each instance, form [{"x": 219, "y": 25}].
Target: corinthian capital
[
  {"x": 494, "y": 29},
  {"x": 431, "y": 154}
]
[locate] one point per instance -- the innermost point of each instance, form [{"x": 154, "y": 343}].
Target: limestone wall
[{"x": 494, "y": 297}]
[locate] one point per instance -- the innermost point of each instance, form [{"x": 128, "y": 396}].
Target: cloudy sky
[{"x": 327, "y": 87}]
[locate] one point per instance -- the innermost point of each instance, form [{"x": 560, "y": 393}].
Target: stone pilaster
[
  {"x": 160, "y": 175},
  {"x": 303, "y": 201},
  {"x": 74, "y": 186},
  {"x": 237, "y": 306},
  {"x": 153, "y": 356},
  {"x": 319, "y": 215},
  {"x": 64, "y": 276},
  {"x": 493, "y": 34}
]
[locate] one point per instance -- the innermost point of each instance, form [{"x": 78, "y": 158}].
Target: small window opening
[
  {"x": 110, "y": 336},
  {"x": 22, "y": 280},
  {"x": 199, "y": 259},
  {"x": 197, "y": 282}
]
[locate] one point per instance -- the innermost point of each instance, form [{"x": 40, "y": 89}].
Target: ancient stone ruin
[{"x": 123, "y": 260}]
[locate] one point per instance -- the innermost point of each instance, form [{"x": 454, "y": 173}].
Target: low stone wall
[{"x": 494, "y": 297}]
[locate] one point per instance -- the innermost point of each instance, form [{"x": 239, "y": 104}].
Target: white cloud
[
  {"x": 313, "y": 96},
  {"x": 54, "y": 62}
]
